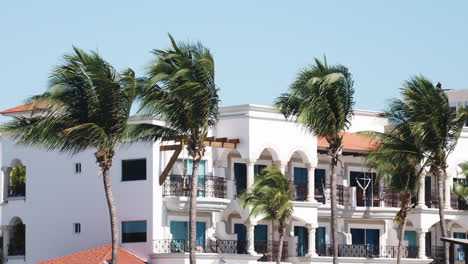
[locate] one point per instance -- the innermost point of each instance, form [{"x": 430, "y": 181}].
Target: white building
[{"x": 63, "y": 206}]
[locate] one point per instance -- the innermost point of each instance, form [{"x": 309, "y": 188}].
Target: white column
[
  {"x": 311, "y": 183},
  {"x": 422, "y": 244},
  {"x": 281, "y": 166},
  {"x": 311, "y": 250},
  {"x": 250, "y": 173},
  {"x": 448, "y": 190},
  {"x": 422, "y": 192},
  {"x": 250, "y": 239}
]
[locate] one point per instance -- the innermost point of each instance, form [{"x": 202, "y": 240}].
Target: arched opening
[
  {"x": 299, "y": 175},
  {"x": 16, "y": 179},
  {"x": 16, "y": 237}
]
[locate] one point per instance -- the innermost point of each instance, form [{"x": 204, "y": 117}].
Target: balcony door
[
  {"x": 300, "y": 182},
  {"x": 459, "y": 249},
  {"x": 240, "y": 176},
  {"x": 302, "y": 240},
  {"x": 261, "y": 238},
  {"x": 201, "y": 176},
  {"x": 319, "y": 182},
  {"x": 362, "y": 179},
  {"x": 241, "y": 231},
  {"x": 180, "y": 234},
  {"x": 370, "y": 238},
  {"x": 320, "y": 242}
]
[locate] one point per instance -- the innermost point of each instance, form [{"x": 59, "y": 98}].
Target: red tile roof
[
  {"x": 351, "y": 142},
  {"x": 24, "y": 108},
  {"x": 96, "y": 256}
]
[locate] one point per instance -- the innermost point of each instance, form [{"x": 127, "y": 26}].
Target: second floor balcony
[
  {"x": 207, "y": 186},
  {"x": 211, "y": 193}
]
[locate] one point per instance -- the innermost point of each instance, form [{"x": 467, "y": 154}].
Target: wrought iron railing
[
  {"x": 343, "y": 194},
  {"x": 269, "y": 249},
  {"x": 367, "y": 251},
  {"x": 302, "y": 191},
  {"x": 17, "y": 190},
  {"x": 431, "y": 199},
  {"x": 389, "y": 197},
  {"x": 319, "y": 194},
  {"x": 208, "y": 246},
  {"x": 437, "y": 253},
  {"x": 208, "y": 186}
]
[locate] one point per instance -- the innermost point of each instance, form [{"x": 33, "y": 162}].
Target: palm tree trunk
[
  {"x": 105, "y": 170},
  {"x": 334, "y": 226},
  {"x": 440, "y": 199},
  {"x": 402, "y": 227},
  {"x": 281, "y": 242},
  {"x": 193, "y": 210}
]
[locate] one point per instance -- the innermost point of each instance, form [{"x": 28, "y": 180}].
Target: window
[
  {"x": 77, "y": 228},
  {"x": 78, "y": 167},
  {"x": 133, "y": 231},
  {"x": 134, "y": 170}
]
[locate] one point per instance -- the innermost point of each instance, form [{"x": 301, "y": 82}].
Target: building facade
[{"x": 53, "y": 204}]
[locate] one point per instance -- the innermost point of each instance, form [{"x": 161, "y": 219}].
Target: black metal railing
[
  {"x": 367, "y": 251},
  {"x": 208, "y": 186},
  {"x": 301, "y": 190},
  {"x": 389, "y": 197},
  {"x": 344, "y": 196},
  {"x": 319, "y": 194},
  {"x": 431, "y": 199},
  {"x": 269, "y": 250},
  {"x": 437, "y": 253},
  {"x": 17, "y": 190},
  {"x": 208, "y": 246}
]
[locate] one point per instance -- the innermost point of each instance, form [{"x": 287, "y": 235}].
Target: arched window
[{"x": 16, "y": 238}]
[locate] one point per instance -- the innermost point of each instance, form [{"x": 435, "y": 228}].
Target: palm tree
[
  {"x": 181, "y": 91},
  {"x": 437, "y": 128},
  {"x": 461, "y": 189},
  {"x": 89, "y": 105},
  {"x": 396, "y": 159},
  {"x": 321, "y": 99},
  {"x": 270, "y": 197}
]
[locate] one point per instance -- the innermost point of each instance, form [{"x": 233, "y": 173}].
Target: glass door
[
  {"x": 302, "y": 240},
  {"x": 240, "y": 175},
  {"x": 300, "y": 182},
  {"x": 201, "y": 176}
]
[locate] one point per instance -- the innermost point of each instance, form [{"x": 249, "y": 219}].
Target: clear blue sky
[{"x": 259, "y": 46}]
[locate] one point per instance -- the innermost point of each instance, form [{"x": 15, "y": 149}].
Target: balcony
[
  {"x": 269, "y": 250},
  {"x": 385, "y": 197},
  {"x": 301, "y": 190},
  {"x": 211, "y": 193},
  {"x": 343, "y": 194},
  {"x": 208, "y": 186},
  {"x": 209, "y": 246},
  {"x": 367, "y": 251},
  {"x": 455, "y": 202}
]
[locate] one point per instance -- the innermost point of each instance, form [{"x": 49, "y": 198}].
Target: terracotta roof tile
[
  {"x": 24, "y": 108},
  {"x": 96, "y": 256},
  {"x": 351, "y": 142}
]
